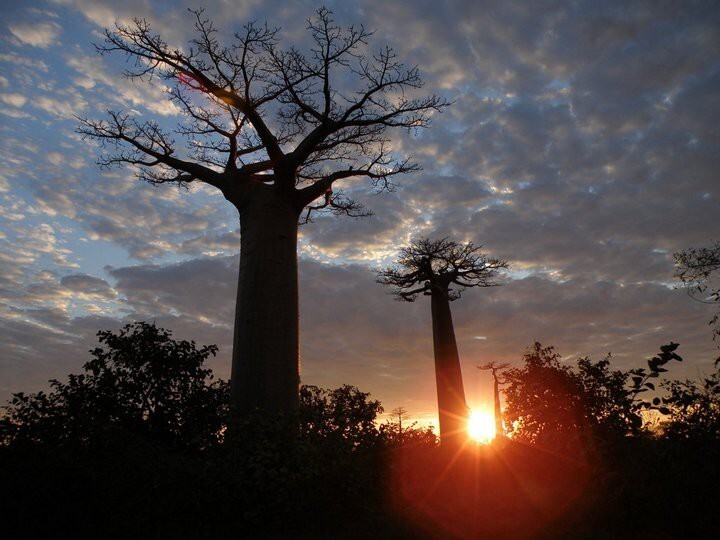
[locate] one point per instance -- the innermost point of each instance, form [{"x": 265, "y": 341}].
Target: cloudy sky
[{"x": 582, "y": 146}]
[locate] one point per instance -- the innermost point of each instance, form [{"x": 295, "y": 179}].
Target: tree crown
[
  {"x": 699, "y": 269},
  {"x": 258, "y": 112},
  {"x": 140, "y": 380},
  {"x": 435, "y": 265}
]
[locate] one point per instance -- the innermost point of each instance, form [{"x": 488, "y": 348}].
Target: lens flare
[{"x": 481, "y": 427}]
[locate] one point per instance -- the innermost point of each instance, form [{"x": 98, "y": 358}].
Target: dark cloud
[
  {"x": 353, "y": 331},
  {"x": 202, "y": 289},
  {"x": 85, "y": 284}
]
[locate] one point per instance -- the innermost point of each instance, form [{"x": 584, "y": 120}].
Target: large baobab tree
[
  {"x": 277, "y": 131},
  {"x": 441, "y": 269},
  {"x": 495, "y": 368}
]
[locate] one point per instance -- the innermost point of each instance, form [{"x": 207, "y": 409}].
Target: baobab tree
[
  {"x": 277, "y": 131},
  {"x": 442, "y": 269},
  {"x": 494, "y": 368}
]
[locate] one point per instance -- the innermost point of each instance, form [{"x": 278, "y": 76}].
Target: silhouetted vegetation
[
  {"x": 277, "y": 130},
  {"x": 141, "y": 382},
  {"x": 564, "y": 409},
  {"x": 693, "y": 408},
  {"x": 138, "y": 446},
  {"x": 699, "y": 270},
  {"x": 632, "y": 448},
  {"x": 442, "y": 269}
]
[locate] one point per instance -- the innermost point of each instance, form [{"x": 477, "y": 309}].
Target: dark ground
[{"x": 127, "y": 488}]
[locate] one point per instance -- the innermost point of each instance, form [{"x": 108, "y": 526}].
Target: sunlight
[{"x": 481, "y": 426}]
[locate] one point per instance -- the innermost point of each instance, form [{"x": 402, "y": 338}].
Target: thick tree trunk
[
  {"x": 452, "y": 408},
  {"x": 498, "y": 413},
  {"x": 265, "y": 363}
]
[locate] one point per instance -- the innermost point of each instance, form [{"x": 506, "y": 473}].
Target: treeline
[{"x": 139, "y": 446}]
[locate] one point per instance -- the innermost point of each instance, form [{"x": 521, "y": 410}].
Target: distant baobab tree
[
  {"x": 433, "y": 268},
  {"x": 496, "y": 367},
  {"x": 277, "y": 131}
]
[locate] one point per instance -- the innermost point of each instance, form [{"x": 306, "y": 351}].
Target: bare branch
[
  {"x": 208, "y": 68},
  {"x": 428, "y": 266},
  {"x": 338, "y": 204},
  {"x": 335, "y": 105},
  {"x": 147, "y": 147}
]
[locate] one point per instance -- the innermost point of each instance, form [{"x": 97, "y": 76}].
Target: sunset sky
[{"x": 582, "y": 146}]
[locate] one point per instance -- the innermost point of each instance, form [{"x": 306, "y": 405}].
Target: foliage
[
  {"x": 340, "y": 473},
  {"x": 397, "y": 431},
  {"x": 554, "y": 405},
  {"x": 427, "y": 265},
  {"x": 542, "y": 399},
  {"x": 140, "y": 381},
  {"x": 699, "y": 269},
  {"x": 134, "y": 442},
  {"x": 641, "y": 377},
  {"x": 693, "y": 408},
  {"x": 344, "y": 414}
]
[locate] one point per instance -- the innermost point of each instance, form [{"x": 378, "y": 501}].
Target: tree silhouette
[
  {"x": 344, "y": 414},
  {"x": 699, "y": 269},
  {"x": 432, "y": 268},
  {"x": 139, "y": 381},
  {"x": 693, "y": 408},
  {"x": 494, "y": 368},
  {"x": 557, "y": 406},
  {"x": 275, "y": 130},
  {"x": 399, "y": 431}
]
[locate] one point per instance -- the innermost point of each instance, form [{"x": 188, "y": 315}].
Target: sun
[{"x": 481, "y": 426}]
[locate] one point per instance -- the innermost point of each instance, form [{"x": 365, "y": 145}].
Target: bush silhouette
[
  {"x": 139, "y": 381},
  {"x": 137, "y": 446}
]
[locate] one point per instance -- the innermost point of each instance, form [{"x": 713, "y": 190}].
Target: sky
[{"x": 582, "y": 145}]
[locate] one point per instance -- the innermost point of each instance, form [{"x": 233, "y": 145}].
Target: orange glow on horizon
[{"x": 481, "y": 426}]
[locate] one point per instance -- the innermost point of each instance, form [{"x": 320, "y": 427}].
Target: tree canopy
[
  {"x": 427, "y": 264},
  {"x": 699, "y": 270},
  {"x": 258, "y": 111},
  {"x": 559, "y": 406},
  {"x": 140, "y": 381}
]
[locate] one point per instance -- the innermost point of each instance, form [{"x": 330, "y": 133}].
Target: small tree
[
  {"x": 276, "y": 131},
  {"x": 556, "y": 406},
  {"x": 399, "y": 431},
  {"x": 495, "y": 368},
  {"x": 442, "y": 269},
  {"x": 541, "y": 399},
  {"x": 699, "y": 270},
  {"x": 140, "y": 381},
  {"x": 693, "y": 409},
  {"x": 344, "y": 414}
]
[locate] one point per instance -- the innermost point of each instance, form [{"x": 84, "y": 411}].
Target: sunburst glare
[{"x": 481, "y": 426}]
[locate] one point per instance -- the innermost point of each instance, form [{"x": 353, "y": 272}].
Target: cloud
[
  {"x": 88, "y": 285},
  {"x": 16, "y": 100},
  {"x": 42, "y": 34},
  {"x": 117, "y": 90},
  {"x": 353, "y": 331}
]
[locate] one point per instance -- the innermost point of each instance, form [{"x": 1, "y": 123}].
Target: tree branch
[
  {"x": 146, "y": 140},
  {"x": 434, "y": 265}
]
